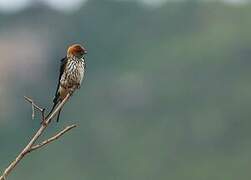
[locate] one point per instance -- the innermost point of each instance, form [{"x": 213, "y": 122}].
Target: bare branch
[
  {"x": 33, "y": 103},
  {"x": 33, "y": 106},
  {"x": 53, "y": 138},
  {"x": 56, "y": 110},
  {"x": 39, "y": 132}
]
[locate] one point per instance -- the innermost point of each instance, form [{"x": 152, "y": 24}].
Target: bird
[{"x": 71, "y": 74}]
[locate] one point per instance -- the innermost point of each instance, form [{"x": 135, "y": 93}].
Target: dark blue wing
[{"x": 61, "y": 71}]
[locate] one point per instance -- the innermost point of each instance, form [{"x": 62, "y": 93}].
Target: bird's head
[{"x": 76, "y": 50}]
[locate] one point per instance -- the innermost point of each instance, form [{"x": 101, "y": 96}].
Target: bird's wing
[{"x": 62, "y": 67}]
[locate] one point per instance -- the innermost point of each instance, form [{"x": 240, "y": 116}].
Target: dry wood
[{"x": 31, "y": 145}]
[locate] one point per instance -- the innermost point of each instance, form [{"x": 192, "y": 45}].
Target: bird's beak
[{"x": 85, "y": 52}]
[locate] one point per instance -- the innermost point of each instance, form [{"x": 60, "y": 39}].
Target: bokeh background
[{"x": 167, "y": 93}]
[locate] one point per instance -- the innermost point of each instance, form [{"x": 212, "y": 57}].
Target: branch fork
[
  {"x": 31, "y": 146},
  {"x": 35, "y": 106}
]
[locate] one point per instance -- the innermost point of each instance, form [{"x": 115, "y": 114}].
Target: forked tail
[{"x": 55, "y": 101}]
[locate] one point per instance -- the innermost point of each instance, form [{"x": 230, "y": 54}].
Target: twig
[
  {"x": 53, "y": 138},
  {"x": 35, "y": 137},
  {"x": 33, "y": 106}
]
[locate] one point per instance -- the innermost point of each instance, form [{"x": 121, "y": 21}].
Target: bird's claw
[{"x": 71, "y": 91}]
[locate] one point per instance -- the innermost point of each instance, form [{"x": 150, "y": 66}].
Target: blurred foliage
[{"x": 166, "y": 94}]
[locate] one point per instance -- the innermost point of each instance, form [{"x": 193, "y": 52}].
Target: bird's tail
[
  {"x": 54, "y": 105},
  {"x": 56, "y": 100},
  {"x": 58, "y": 114}
]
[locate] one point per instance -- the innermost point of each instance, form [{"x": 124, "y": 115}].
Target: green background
[{"x": 167, "y": 92}]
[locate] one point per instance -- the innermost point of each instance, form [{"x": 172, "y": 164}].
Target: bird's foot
[{"x": 71, "y": 91}]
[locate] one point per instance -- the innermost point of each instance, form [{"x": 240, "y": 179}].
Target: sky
[{"x": 71, "y": 5}]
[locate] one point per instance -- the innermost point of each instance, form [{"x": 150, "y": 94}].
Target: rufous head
[{"x": 76, "y": 50}]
